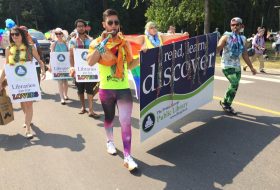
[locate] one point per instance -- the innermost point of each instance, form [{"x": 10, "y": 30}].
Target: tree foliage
[{"x": 185, "y": 14}]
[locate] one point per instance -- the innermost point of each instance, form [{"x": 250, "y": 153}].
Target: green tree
[{"x": 185, "y": 14}]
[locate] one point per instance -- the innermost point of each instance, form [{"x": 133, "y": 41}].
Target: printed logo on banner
[
  {"x": 84, "y": 55},
  {"x": 149, "y": 122},
  {"x": 20, "y": 71},
  {"x": 60, "y": 57}
]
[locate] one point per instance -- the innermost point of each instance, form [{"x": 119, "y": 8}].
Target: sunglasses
[
  {"x": 110, "y": 22},
  {"x": 235, "y": 24},
  {"x": 57, "y": 34},
  {"x": 15, "y": 34}
]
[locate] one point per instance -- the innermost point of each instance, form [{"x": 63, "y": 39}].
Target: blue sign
[
  {"x": 60, "y": 57},
  {"x": 20, "y": 70},
  {"x": 84, "y": 55},
  {"x": 178, "y": 68},
  {"x": 175, "y": 79}
]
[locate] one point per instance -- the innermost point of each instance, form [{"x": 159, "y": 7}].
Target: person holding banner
[
  {"x": 59, "y": 45},
  {"x": 22, "y": 50},
  {"x": 114, "y": 57},
  {"x": 152, "y": 38},
  {"x": 233, "y": 45},
  {"x": 82, "y": 41}
]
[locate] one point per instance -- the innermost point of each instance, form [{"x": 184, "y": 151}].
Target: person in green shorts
[{"x": 233, "y": 46}]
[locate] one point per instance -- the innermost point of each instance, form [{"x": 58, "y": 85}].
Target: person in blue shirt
[{"x": 233, "y": 45}]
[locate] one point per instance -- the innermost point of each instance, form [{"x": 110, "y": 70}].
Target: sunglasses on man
[
  {"x": 15, "y": 34},
  {"x": 110, "y": 22},
  {"x": 235, "y": 24}
]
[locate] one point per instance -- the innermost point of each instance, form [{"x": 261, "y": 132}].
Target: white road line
[
  {"x": 241, "y": 81},
  {"x": 261, "y": 78}
]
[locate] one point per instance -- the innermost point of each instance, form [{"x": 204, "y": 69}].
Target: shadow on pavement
[
  {"x": 74, "y": 103},
  {"x": 17, "y": 142},
  {"x": 213, "y": 154}
]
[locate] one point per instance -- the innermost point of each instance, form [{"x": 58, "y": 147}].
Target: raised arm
[
  {"x": 136, "y": 39},
  {"x": 166, "y": 37},
  {"x": 93, "y": 54}
]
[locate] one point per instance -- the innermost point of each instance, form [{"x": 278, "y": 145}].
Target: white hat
[
  {"x": 236, "y": 19},
  {"x": 58, "y": 30}
]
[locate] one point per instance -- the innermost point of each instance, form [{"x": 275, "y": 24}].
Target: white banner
[
  {"x": 170, "y": 111},
  {"x": 23, "y": 82},
  {"x": 60, "y": 65},
  {"x": 84, "y": 72}
]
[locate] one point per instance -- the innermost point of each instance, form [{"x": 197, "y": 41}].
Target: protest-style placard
[
  {"x": 60, "y": 65},
  {"x": 84, "y": 72},
  {"x": 23, "y": 84}
]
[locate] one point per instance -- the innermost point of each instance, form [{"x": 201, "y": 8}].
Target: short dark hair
[
  {"x": 109, "y": 12},
  {"x": 80, "y": 20}
]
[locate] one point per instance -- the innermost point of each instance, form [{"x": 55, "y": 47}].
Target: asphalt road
[{"x": 205, "y": 150}]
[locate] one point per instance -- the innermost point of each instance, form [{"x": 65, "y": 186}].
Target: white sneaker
[
  {"x": 129, "y": 163},
  {"x": 111, "y": 149}
]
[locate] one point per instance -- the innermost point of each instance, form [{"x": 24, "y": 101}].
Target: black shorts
[
  {"x": 277, "y": 47},
  {"x": 85, "y": 86}
]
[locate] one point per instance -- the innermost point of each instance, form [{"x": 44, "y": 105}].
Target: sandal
[
  {"x": 83, "y": 111},
  {"x": 24, "y": 125},
  {"x": 29, "y": 135},
  {"x": 94, "y": 115}
]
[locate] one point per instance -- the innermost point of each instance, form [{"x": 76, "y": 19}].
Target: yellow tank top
[{"x": 149, "y": 44}]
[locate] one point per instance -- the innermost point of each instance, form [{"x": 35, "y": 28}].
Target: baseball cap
[{"x": 236, "y": 19}]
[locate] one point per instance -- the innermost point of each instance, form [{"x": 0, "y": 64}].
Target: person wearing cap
[
  {"x": 59, "y": 45},
  {"x": 82, "y": 40},
  {"x": 258, "y": 44},
  {"x": 233, "y": 46}
]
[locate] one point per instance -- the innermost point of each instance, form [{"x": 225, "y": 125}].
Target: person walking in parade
[
  {"x": 258, "y": 44},
  {"x": 233, "y": 45},
  {"x": 22, "y": 50},
  {"x": 114, "y": 59},
  {"x": 37, "y": 47},
  {"x": 82, "y": 40},
  {"x": 59, "y": 45}
]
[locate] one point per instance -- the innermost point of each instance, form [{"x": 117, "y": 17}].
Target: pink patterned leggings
[{"x": 123, "y": 100}]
